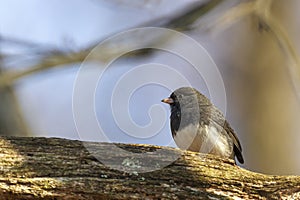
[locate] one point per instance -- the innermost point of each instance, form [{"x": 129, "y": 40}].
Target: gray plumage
[{"x": 197, "y": 125}]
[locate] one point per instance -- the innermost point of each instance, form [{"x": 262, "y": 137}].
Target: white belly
[{"x": 204, "y": 139}]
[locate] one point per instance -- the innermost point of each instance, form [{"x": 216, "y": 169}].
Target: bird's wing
[
  {"x": 237, "y": 148},
  {"x": 218, "y": 118}
]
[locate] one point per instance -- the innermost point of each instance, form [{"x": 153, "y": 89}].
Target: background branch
[{"x": 54, "y": 58}]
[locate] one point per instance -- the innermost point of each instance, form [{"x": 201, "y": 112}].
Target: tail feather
[{"x": 238, "y": 154}]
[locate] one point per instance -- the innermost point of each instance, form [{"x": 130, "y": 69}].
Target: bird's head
[
  {"x": 185, "y": 105},
  {"x": 185, "y": 97}
]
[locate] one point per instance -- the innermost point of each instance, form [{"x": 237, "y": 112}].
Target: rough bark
[{"x": 53, "y": 168}]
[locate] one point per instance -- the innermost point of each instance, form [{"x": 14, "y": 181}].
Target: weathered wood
[{"x": 53, "y": 168}]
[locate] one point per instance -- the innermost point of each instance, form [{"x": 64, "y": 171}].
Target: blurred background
[{"x": 255, "y": 45}]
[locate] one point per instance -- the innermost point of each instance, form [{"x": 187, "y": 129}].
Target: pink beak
[{"x": 168, "y": 100}]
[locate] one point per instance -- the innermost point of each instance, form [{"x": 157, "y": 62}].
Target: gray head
[
  {"x": 186, "y": 105},
  {"x": 186, "y": 98}
]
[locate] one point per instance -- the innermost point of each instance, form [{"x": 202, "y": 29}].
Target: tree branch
[
  {"x": 65, "y": 169},
  {"x": 53, "y": 58}
]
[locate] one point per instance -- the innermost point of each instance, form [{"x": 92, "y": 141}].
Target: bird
[{"x": 197, "y": 125}]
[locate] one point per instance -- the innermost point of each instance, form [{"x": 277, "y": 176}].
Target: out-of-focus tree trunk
[
  {"x": 266, "y": 102},
  {"x": 11, "y": 121}
]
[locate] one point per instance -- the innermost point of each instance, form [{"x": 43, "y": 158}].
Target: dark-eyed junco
[{"x": 197, "y": 125}]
